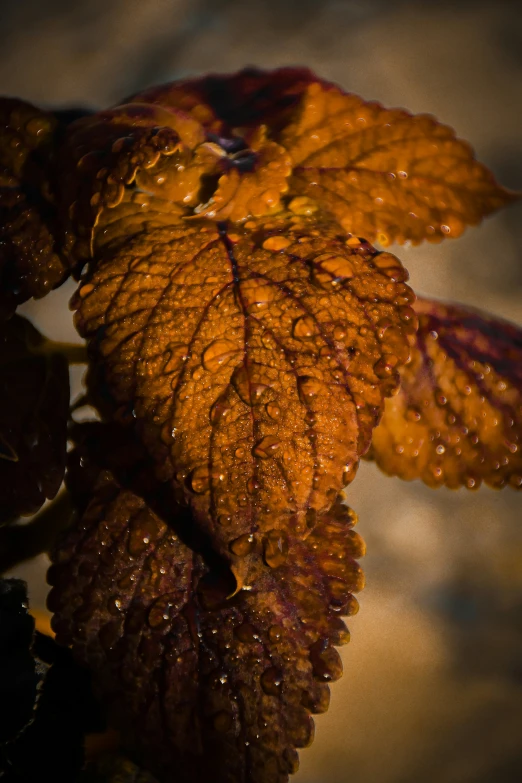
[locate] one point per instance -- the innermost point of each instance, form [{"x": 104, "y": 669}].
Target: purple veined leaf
[{"x": 457, "y": 419}]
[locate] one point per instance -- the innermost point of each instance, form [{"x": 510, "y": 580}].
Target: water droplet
[
  {"x": 241, "y": 382},
  {"x": 246, "y": 633},
  {"x": 252, "y": 485},
  {"x": 413, "y": 414},
  {"x": 219, "y": 410},
  {"x": 339, "y": 333},
  {"x": 200, "y": 480},
  {"x": 330, "y": 269},
  {"x": 222, "y": 721},
  {"x": 276, "y": 243},
  {"x": 272, "y": 681},
  {"x": 275, "y": 633},
  {"x": 220, "y": 353},
  {"x": 275, "y": 548},
  {"x": 309, "y": 387},
  {"x": 390, "y": 266},
  {"x": 159, "y": 613},
  {"x": 440, "y": 449},
  {"x": 385, "y": 366},
  {"x": 301, "y": 205},
  {"x": 257, "y": 294},
  {"x": 273, "y": 411},
  {"x": 224, "y": 520},
  {"x": 143, "y": 529},
  {"x": 304, "y": 327},
  {"x": 325, "y": 660},
  {"x": 243, "y": 545},
  {"x": 175, "y": 355},
  {"x": 266, "y": 447},
  {"x": 114, "y": 605}
]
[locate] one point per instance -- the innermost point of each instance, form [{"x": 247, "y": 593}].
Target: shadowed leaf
[
  {"x": 29, "y": 263},
  {"x": 201, "y": 684},
  {"x": 457, "y": 419},
  {"x": 255, "y": 360},
  {"x": 222, "y": 102},
  {"x": 34, "y": 403}
]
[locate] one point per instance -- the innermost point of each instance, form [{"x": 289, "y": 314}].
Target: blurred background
[{"x": 432, "y": 689}]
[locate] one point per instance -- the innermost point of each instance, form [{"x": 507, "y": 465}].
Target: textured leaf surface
[
  {"x": 34, "y": 403},
  {"x": 387, "y": 175},
  {"x": 29, "y": 264},
  {"x": 255, "y": 362},
  {"x": 203, "y": 685},
  {"x": 457, "y": 419}
]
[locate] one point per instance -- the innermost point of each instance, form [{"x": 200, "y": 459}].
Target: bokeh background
[{"x": 432, "y": 689}]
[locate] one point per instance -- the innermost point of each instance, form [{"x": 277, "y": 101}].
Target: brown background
[{"x": 433, "y": 684}]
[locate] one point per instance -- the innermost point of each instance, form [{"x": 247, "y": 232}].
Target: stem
[{"x": 73, "y": 352}]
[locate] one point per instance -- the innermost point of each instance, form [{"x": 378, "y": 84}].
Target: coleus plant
[{"x": 247, "y": 345}]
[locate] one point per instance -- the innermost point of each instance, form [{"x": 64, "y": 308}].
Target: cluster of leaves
[{"x": 247, "y": 346}]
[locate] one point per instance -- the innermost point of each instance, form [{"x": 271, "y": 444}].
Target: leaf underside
[{"x": 457, "y": 419}]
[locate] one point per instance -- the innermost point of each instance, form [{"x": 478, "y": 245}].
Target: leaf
[
  {"x": 34, "y": 403},
  {"x": 203, "y": 686},
  {"x": 385, "y": 174},
  {"x": 457, "y": 419},
  {"x": 223, "y": 102},
  {"x": 255, "y": 362},
  {"x": 29, "y": 262}
]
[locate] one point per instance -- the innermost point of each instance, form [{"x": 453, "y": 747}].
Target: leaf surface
[
  {"x": 457, "y": 419},
  {"x": 255, "y": 361},
  {"x": 201, "y": 684},
  {"x": 385, "y": 174},
  {"x": 34, "y": 404}
]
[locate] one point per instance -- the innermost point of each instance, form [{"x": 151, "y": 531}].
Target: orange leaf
[
  {"x": 255, "y": 363},
  {"x": 201, "y": 686},
  {"x": 253, "y": 183},
  {"x": 385, "y": 174},
  {"x": 221, "y": 102},
  {"x": 457, "y": 419},
  {"x": 29, "y": 263}
]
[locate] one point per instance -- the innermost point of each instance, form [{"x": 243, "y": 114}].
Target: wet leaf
[
  {"x": 255, "y": 361},
  {"x": 29, "y": 262},
  {"x": 34, "y": 402},
  {"x": 457, "y": 419},
  {"x": 385, "y": 174},
  {"x": 204, "y": 685},
  {"x": 222, "y": 102}
]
